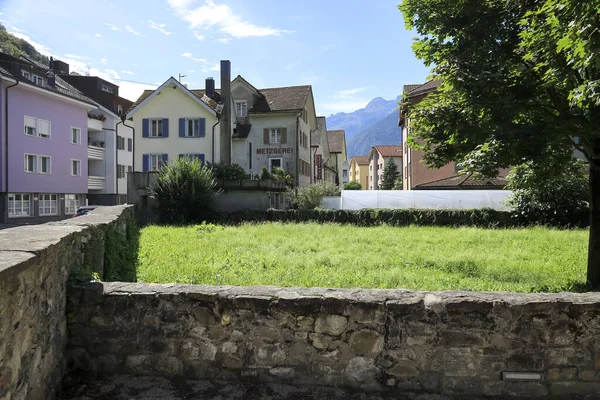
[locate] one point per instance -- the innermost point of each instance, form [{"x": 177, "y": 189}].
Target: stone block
[
  {"x": 366, "y": 343},
  {"x": 525, "y": 389},
  {"x": 562, "y": 374},
  {"x": 282, "y": 372},
  {"x": 320, "y": 341},
  {"x": 333, "y": 325},
  {"x": 403, "y": 370},
  {"x": 362, "y": 370},
  {"x": 574, "y": 388}
]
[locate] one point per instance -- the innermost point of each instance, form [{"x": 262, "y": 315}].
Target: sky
[{"x": 350, "y": 51}]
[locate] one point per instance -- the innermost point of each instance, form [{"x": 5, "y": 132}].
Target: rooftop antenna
[
  {"x": 87, "y": 71},
  {"x": 181, "y": 76}
]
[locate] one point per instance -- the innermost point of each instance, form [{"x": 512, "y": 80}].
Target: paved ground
[{"x": 153, "y": 388}]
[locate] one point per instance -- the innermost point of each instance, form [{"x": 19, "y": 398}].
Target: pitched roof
[
  {"x": 290, "y": 98},
  {"x": 464, "y": 182},
  {"x": 336, "y": 140},
  {"x": 409, "y": 88},
  {"x": 389, "y": 151},
  {"x": 360, "y": 160},
  {"x": 427, "y": 87}
]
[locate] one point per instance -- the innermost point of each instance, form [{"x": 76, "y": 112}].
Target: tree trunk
[{"x": 593, "y": 271}]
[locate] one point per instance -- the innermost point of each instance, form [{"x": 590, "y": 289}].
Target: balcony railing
[
  {"x": 96, "y": 182},
  {"x": 95, "y": 152}
]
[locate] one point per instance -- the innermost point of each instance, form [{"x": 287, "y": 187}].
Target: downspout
[
  {"x": 297, "y": 149},
  {"x": 6, "y": 135},
  {"x": 116, "y": 154},
  {"x": 212, "y": 158},
  {"x": 123, "y": 118}
]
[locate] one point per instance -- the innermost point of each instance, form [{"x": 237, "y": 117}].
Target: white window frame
[
  {"x": 107, "y": 89},
  {"x": 243, "y": 111},
  {"x": 38, "y": 122},
  {"x": 275, "y": 135},
  {"x": 34, "y": 127},
  {"x": 78, "y": 163},
  {"x": 40, "y": 162},
  {"x": 78, "y": 137},
  {"x": 12, "y": 205},
  {"x": 271, "y": 163},
  {"x": 159, "y": 122},
  {"x": 194, "y": 122},
  {"x": 119, "y": 168},
  {"x": 159, "y": 161},
  {"x": 119, "y": 109},
  {"x": 72, "y": 203},
  {"x": 35, "y": 163},
  {"x": 26, "y": 74},
  {"x": 50, "y": 204},
  {"x": 38, "y": 80},
  {"x": 119, "y": 139},
  {"x": 129, "y": 145}
]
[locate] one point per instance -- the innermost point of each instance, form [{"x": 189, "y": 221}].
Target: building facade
[
  {"x": 359, "y": 171},
  {"x": 43, "y": 149},
  {"x": 339, "y": 157},
  {"x": 321, "y": 156},
  {"x": 376, "y": 160}
]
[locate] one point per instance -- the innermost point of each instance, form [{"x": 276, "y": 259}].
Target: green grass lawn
[{"x": 329, "y": 255}]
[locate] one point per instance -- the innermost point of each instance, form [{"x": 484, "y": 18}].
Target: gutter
[
  {"x": 6, "y": 135},
  {"x": 297, "y": 149},
  {"x": 212, "y": 158},
  {"x": 123, "y": 118}
]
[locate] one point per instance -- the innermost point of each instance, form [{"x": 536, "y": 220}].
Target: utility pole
[{"x": 181, "y": 76}]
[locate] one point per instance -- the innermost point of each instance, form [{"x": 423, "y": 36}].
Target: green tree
[
  {"x": 390, "y": 174},
  {"x": 311, "y": 196},
  {"x": 352, "y": 186},
  {"x": 519, "y": 83},
  {"x": 397, "y": 184},
  {"x": 281, "y": 175}
]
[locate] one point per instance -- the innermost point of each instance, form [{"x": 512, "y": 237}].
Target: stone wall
[
  {"x": 381, "y": 340},
  {"x": 36, "y": 263}
]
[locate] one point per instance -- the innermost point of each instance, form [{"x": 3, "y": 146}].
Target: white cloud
[
  {"x": 112, "y": 73},
  {"x": 131, "y": 30},
  {"x": 98, "y": 35},
  {"x": 104, "y": 60},
  {"x": 198, "y": 36},
  {"x": 112, "y": 27},
  {"x": 221, "y": 17},
  {"x": 128, "y": 72},
  {"x": 224, "y": 40},
  {"x": 76, "y": 57},
  {"x": 214, "y": 67},
  {"x": 159, "y": 27},
  {"x": 38, "y": 46},
  {"x": 348, "y": 94},
  {"x": 189, "y": 55}
]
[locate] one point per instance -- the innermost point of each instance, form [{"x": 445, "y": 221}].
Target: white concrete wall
[{"x": 125, "y": 157}]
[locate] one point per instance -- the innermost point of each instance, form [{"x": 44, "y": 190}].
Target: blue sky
[{"x": 350, "y": 51}]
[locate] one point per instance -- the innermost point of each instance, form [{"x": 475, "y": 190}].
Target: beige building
[
  {"x": 321, "y": 156},
  {"x": 376, "y": 160},
  {"x": 339, "y": 157},
  {"x": 359, "y": 171}
]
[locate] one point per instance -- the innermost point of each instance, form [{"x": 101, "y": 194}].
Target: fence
[{"x": 436, "y": 199}]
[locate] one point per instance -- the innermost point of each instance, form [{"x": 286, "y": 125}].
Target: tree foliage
[
  {"x": 390, "y": 174},
  {"x": 311, "y": 196},
  {"x": 283, "y": 176},
  {"x": 17, "y": 47},
  {"x": 227, "y": 172},
  {"x": 352, "y": 186}
]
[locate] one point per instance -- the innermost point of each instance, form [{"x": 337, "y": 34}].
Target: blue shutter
[
  {"x": 181, "y": 127},
  {"x": 145, "y": 127},
  {"x": 181, "y": 155},
  {"x": 201, "y": 158},
  {"x": 165, "y": 127},
  {"x": 202, "y": 126},
  {"x": 145, "y": 162},
  {"x": 165, "y": 158}
]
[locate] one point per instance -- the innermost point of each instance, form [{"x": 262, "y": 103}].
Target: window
[
  {"x": 19, "y": 205},
  {"x": 275, "y": 135},
  {"x": 26, "y": 74},
  {"x": 107, "y": 89},
  {"x": 37, "y": 127},
  {"x": 192, "y": 127},
  {"x": 130, "y": 145},
  {"x": 38, "y": 80},
  {"x": 119, "y": 109},
  {"x": 48, "y": 204},
  {"x": 345, "y": 173},
  {"x": 31, "y": 163},
  {"x": 241, "y": 108},
  {"x": 275, "y": 163},
  {"x": 120, "y": 171},
  {"x": 30, "y": 126},
  {"x": 156, "y": 162},
  {"x": 72, "y": 203},
  {"x": 129, "y": 169},
  {"x": 45, "y": 165},
  {"x": 75, "y": 135},
  {"x": 250, "y": 155},
  {"x": 156, "y": 127},
  {"x": 75, "y": 167},
  {"x": 120, "y": 143}
]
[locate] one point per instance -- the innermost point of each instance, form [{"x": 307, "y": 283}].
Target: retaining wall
[{"x": 379, "y": 340}]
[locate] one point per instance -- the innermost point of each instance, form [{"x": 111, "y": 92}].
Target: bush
[
  {"x": 311, "y": 196},
  {"x": 397, "y": 184},
  {"x": 185, "y": 191},
  {"x": 227, "y": 172},
  {"x": 352, "y": 186},
  {"x": 281, "y": 175},
  {"x": 551, "y": 194},
  {"x": 264, "y": 173}
]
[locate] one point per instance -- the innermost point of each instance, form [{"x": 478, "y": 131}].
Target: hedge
[{"x": 485, "y": 218}]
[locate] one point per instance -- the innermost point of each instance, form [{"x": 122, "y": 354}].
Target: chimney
[
  {"x": 226, "y": 114},
  {"x": 59, "y": 67},
  {"x": 210, "y": 87}
]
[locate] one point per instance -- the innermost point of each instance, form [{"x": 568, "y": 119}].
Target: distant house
[
  {"x": 321, "y": 155},
  {"x": 376, "y": 160},
  {"x": 464, "y": 182},
  {"x": 359, "y": 171},
  {"x": 339, "y": 156}
]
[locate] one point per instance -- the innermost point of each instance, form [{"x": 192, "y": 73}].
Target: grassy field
[{"x": 329, "y": 255}]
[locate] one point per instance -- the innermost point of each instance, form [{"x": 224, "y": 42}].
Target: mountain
[
  {"x": 384, "y": 132},
  {"x": 355, "y": 122},
  {"x": 16, "y": 47}
]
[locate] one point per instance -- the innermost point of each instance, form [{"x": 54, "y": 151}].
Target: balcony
[
  {"x": 95, "y": 152},
  {"x": 96, "y": 182}
]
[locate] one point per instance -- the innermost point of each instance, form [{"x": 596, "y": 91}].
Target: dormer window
[
  {"x": 119, "y": 109},
  {"x": 38, "y": 80},
  {"x": 107, "y": 89},
  {"x": 241, "y": 108},
  {"x": 26, "y": 74}
]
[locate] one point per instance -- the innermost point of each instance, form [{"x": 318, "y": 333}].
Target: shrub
[
  {"x": 281, "y": 175},
  {"x": 352, "y": 186},
  {"x": 227, "y": 172},
  {"x": 397, "y": 184},
  {"x": 390, "y": 174},
  {"x": 264, "y": 173},
  {"x": 185, "y": 191},
  {"x": 550, "y": 194},
  {"x": 311, "y": 196}
]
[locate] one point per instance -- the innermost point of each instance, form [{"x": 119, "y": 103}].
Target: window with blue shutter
[
  {"x": 165, "y": 127},
  {"x": 202, "y": 126},
  {"x": 145, "y": 127},
  {"x": 181, "y": 127},
  {"x": 165, "y": 158},
  {"x": 145, "y": 162},
  {"x": 201, "y": 157}
]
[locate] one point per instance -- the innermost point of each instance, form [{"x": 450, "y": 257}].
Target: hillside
[
  {"x": 384, "y": 132},
  {"x": 15, "y": 47},
  {"x": 355, "y": 122}
]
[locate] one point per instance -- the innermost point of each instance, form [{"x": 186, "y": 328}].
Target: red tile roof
[
  {"x": 360, "y": 160},
  {"x": 389, "y": 151},
  {"x": 465, "y": 182}
]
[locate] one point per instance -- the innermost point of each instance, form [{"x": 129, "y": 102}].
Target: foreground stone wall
[
  {"x": 35, "y": 264},
  {"x": 382, "y": 340}
]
